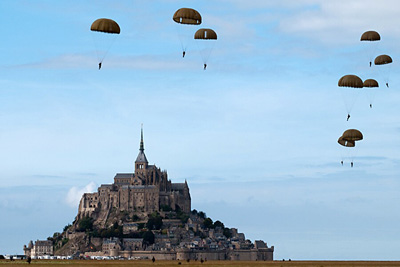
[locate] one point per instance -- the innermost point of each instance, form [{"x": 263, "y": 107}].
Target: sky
[{"x": 254, "y": 135}]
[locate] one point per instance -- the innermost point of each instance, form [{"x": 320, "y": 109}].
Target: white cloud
[
  {"x": 257, "y": 4},
  {"x": 75, "y": 193},
  {"x": 343, "y": 21}
]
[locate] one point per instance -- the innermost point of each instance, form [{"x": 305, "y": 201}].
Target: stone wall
[
  {"x": 236, "y": 255},
  {"x": 158, "y": 255}
]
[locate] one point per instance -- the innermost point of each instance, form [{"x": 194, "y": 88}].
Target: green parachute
[
  {"x": 186, "y": 18},
  {"x": 104, "y": 34},
  {"x": 205, "y": 40},
  {"x": 350, "y": 89}
]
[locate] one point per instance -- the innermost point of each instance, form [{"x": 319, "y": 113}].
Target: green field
[{"x": 197, "y": 263}]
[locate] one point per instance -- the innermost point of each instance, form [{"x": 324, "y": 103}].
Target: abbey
[
  {"x": 143, "y": 215},
  {"x": 143, "y": 192}
]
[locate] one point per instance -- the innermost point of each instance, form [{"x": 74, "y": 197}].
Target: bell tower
[{"x": 141, "y": 160}]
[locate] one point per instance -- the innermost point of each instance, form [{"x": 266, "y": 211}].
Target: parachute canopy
[
  {"x": 348, "y": 144},
  {"x": 352, "y": 135},
  {"x": 205, "y": 34},
  {"x": 345, "y": 143},
  {"x": 350, "y": 81},
  {"x": 105, "y": 25},
  {"x": 383, "y": 59},
  {"x": 371, "y": 83},
  {"x": 187, "y": 16},
  {"x": 370, "y": 36}
]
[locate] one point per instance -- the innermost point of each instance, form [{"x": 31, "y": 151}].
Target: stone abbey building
[
  {"x": 142, "y": 192},
  {"x": 118, "y": 218}
]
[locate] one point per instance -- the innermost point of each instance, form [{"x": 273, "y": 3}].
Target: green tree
[
  {"x": 184, "y": 217},
  {"x": 227, "y": 232},
  {"x": 154, "y": 222},
  {"x": 219, "y": 224},
  {"x": 64, "y": 241},
  {"x": 148, "y": 237},
  {"x": 85, "y": 224},
  {"x": 166, "y": 208},
  {"x": 66, "y": 227},
  {"x": 56, "y": 235},
  {"x": 200, "y": 234},
  {"x": 208, "y": 223},
  {"x": 141, "y": 226},
  {"x": 202, "y": 215}
]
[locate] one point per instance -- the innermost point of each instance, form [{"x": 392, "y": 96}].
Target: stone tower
[
  {"x": 141, "y": 162},
  {"x": 140, "y": 193}
]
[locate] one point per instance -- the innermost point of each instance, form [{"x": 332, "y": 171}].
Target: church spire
[
  {"x": 141, "y": 158},
  {"x": 141, "y": 141}
]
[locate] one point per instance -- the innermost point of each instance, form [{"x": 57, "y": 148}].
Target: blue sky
[{"x": 254, "y": 135}]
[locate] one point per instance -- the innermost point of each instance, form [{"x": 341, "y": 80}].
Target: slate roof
[
  {"x": 124, "y": 175},
  {"x": 141, "y": 158},
  {"x": 178, "y": 186}
]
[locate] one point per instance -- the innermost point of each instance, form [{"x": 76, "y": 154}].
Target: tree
[
  {"x": 200, "y": 234},
  {"x": 66, "y": 227},
  {"x": 227, "y": 232},
  {"x": 184, "y": 217},
  {"x": 202, "y": 214},
  {"x": 141, "y": 226},
  {"x": 165, "y": 208},
  {"x": 208, "y": 223},
  {"x": 56, "y": 235},
  {"x": 148, "y": 237},
  {"x": 64, "y": 241},
  {"x": 218, "y": 224},
  {"x": 154, "y": 222},
  {"x": 85, "y": 224}
]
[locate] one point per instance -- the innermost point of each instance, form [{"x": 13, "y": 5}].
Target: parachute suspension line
[
  {"x": 373, "y": 53},
  {"x": 109, "y": 46},
  {"x": 384, "y": 73},
  {"x": 181, "y": 38},
  {"x": 370, "y": 50},
  {"x": 384, "y": 63},
  {"x": 371, "y": 86},
  {"x": 205, "y": 53},
  {"x": 344, "y": 154},
  {"x": 97, "y": 48},
  {"x": 370, "y": 93},
  {"x": 184, "y": 35},
  {"x": 351, "y": 85},
  {"x": 100, "y": 55},
  {"x": 205, "y": 39},
  {"x": 355, "y": 153},
  {"x": 348, "y": 142},
  {"x": 102, "y": 29},
  {"x": 371, "y": 39},
  {"x": 349, "y": 96},
  {"x": 185, "y": 19}
]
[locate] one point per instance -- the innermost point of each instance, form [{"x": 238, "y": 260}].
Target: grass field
[{"x": 197, "y": 263}]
